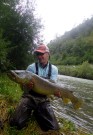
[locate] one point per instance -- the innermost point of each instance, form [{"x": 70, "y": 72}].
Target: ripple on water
[{"x": 82, "y": 88}]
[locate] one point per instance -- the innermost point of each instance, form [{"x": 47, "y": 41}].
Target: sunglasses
[{"x": 37, "y": 54}]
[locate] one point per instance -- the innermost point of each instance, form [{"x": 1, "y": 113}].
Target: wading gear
[
  {"x": 42, "y": 111},
  {"x": 49, "y": 71}
]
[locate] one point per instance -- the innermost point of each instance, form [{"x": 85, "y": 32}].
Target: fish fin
[
  {"x": 66, "y": 100},
  {"x": 78, "y": 104}
]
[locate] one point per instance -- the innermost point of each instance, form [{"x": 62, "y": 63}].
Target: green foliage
[
  {"x": 20, "y": 31},
  {"x": 3, "y": 52},
  {"x": 9, "y": 88},
  {"x": 85, "y": 71},
  {"x": 75, "y": 46},
  {"x": 82, "y": 71}
]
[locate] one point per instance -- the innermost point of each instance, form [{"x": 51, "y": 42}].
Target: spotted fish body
[{"x": 42, "y": 86}]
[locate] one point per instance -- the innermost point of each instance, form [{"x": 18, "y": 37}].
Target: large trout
[{"x": 42, "y": 86}]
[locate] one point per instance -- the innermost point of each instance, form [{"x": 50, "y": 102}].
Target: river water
[{"x": 83, "y": 89}]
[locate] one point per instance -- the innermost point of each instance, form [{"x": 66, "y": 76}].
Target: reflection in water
[{"x": 83, "y": 89}]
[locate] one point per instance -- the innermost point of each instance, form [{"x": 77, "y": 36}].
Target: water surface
[{"x": 83, "y": 89}]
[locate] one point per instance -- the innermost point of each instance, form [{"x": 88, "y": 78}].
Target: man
[{"x": 37, "y": 103}]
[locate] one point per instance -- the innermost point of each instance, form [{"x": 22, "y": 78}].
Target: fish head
[{"x": 12, "y": 75}]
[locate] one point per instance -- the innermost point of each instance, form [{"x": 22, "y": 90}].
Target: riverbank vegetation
[
  {"x": 10, "y": 94},
  {"x": 85, "y": 70}
]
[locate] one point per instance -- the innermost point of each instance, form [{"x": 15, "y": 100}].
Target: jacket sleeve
[{"x": 31, "y": 68}]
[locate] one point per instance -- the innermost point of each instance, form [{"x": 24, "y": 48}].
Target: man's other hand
[{"x": 58, "y": 94}]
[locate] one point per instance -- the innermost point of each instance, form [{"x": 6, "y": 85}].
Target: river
[{"x": 83, "y": 89}]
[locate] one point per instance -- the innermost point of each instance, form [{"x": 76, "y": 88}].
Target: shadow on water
[{"x": 83, "y": 89}]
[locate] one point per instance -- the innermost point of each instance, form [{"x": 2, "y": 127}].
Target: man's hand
[{"x": 58, "y": 94}]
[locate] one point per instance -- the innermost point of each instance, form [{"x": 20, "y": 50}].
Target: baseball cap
[{"x": 42, "y": 49}]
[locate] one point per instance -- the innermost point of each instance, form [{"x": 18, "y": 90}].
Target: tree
[
  {"x": 3, "y": 53},
  {"x": 21, "y": 28}
]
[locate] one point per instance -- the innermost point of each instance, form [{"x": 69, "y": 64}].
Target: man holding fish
[{"x": 37, "y": 103}]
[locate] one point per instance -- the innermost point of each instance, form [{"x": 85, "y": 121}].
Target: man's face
[{"x": 42, "y": 57}]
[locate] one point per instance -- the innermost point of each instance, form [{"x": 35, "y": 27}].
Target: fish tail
[
  {"x": 77, "y": 104},
  {"x": 66, "y": 100}
]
